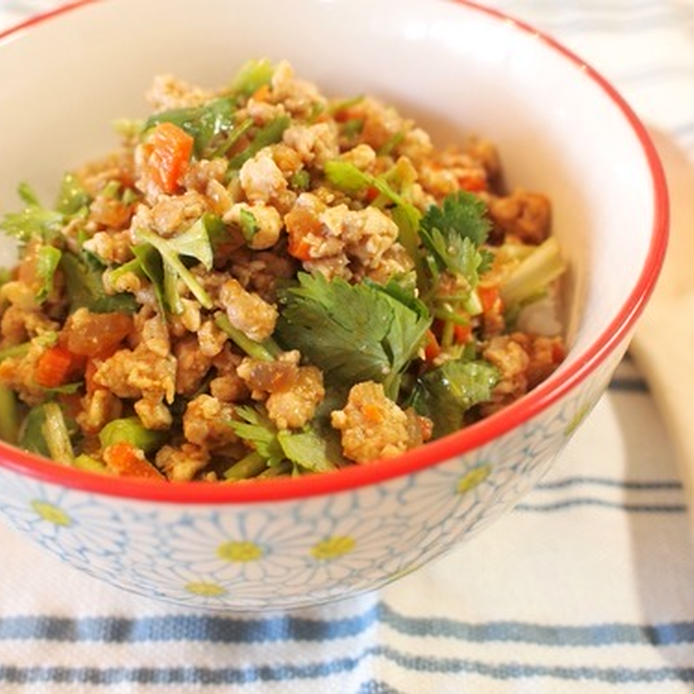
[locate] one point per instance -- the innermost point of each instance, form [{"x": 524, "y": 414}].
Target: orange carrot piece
[
  {"x": 461, "y": 333},
  {"x": 127, "y": 461},
  {"x": 167, "y": 153},
  {"x": 53, "y": 367},
  {"x": 488, "y": 297},
  {"x": 261, "y": 93},
  {"x": 431, "y": 348}
]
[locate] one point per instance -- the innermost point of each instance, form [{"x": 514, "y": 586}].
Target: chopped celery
[
  {"x": 131, "y": 430},
  {"x": 264, "y": 351},
  {"x": 533, "y": 274},
  {"x": 55, "y": 434},
  {"x": 85, "y": 462},
  {"x": 9, "y": 416},
  {"x": 249, "y": 466}
]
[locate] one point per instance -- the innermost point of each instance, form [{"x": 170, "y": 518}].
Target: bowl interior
[{"x": 457, "y": 69}]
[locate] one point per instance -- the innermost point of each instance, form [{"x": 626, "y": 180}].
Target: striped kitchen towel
[{"x": 586, "y": 587}]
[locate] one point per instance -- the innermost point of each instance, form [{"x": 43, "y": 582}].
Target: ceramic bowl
[{"x": 459, "y": 68}]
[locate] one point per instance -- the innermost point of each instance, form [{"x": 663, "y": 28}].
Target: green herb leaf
[
  {"x": 267, "y": 135},
  {"x": 307, "y": 449},
  {"x": 72, "y": 197},
  {"x": 27, "y": 195},
  {"x": 301, "y": 180},
  {"x": 249, "y": 226},
  {"x": 33, "y": 222},
  {"x": 251, "y": 76},
  {"x": 193, "y": 243},
  {"x": 453, "y": 234},
  {"x": 202, "y": 123},
  {"x": 352, "y": 333},
  {"x": 47, "y": 259},
  {"x": 444, "y": 394},
  {"x": 150, "y": 264},
  {"x": 85, "y": 288},
  {"x": 255, "y": 427}
]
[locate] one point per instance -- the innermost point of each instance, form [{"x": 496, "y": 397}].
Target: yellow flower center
[
  {"x": 239, "y": 551},
  {"x": 472, "y": 478},
  {"x": 333, "y": 547},
  {"x": 207, "y": 590},
  {"x": 51, "y": 513}
]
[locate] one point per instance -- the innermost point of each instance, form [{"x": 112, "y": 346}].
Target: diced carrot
[
  {"x": 371, "y": 193},
  {"x": 473, "y": 183},
  {"x": 373, "y": 414},
  {"x": 53, "y": 367},
  {"x": 127, "y": 461},
  {"x": 488, "y": 297},
  {"x": 301, "y": 223},
  {"x": 299, "y": 248},
  {"x": 261, "y": 93},
  {"x": 462, "y": 333},
  {"x": 431, "y": 348},
  {"x": 167, "y": 152}
]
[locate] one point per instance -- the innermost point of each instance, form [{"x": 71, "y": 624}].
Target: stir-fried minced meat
[
  {"x": 372, "y": 426},
  {"x": 260, "y": 270}
]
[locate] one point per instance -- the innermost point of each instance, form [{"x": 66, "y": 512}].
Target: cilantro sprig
[{"x": 353, "y": 333}]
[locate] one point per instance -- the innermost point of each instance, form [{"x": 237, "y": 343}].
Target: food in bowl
[{"x": 263, "y": 282}]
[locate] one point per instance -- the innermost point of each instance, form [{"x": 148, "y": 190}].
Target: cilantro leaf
[
  {"x": 249, "y": 225},
  {"x": 47, "y": 259},
  {"x": 32, "y": 222},
  {"x": 202, "y": 123},
  {"x": 444, "y": 394},
  {"x": 453, "y": 234},
  {"x": 306, "y": 449},
  {"x": 352, "y": 333},
  {"x": 461, "y": 213},
  {"x": 85, "y": 288},
  {"x": 72, "y": 197},
  {"x": 269, "y": 134},
  {"x": 252, "y": 75},
  {"x": 194, "y": 243},
  {"x": 38, "y": 222},
  {"x": 255, "y": 427}
]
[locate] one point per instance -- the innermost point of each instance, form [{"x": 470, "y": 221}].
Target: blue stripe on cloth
[
  {"x": 632, "y": 385},
  {"x": 637, "y": 485},
  {"x": 266, "y": 673},
  {"x": 630, "y": 508},
  {"x": 376, "y": 687},
  {"x": 197, "y": 628}
]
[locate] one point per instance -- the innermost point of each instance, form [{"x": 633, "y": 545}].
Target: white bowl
[{"x": 561, "y": 129}]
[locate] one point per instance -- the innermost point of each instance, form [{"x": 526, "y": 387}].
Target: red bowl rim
[{"x": 430, "y": 454}]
